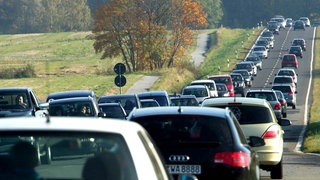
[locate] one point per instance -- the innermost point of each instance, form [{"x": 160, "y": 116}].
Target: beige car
[{"x": 257, "y": 118}]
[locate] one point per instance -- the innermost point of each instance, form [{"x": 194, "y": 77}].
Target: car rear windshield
[
  {"x": 269, "y": 96},
  {"x": 283, "y": 89},
  {"x": 288, "y": 58},
  {"x": 282, "y": 80},
  {"x": 249, "y": 114},
  {"x": 182, "y": 129}
]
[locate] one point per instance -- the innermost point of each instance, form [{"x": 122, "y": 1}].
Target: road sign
[
  {"x": 119, "y": 68},
  {"x": 120, "y": 80}
]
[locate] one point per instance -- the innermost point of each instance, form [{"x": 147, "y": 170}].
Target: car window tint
[
  {"x": 164, "y": 129},
  {"x": 162, "y": 100},
  {"x": 250, "y": 114}
]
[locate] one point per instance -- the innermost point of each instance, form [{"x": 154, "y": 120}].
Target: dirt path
[{"x": 144, "y": 83}]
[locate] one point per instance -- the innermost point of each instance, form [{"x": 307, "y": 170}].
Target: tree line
[{"x": 147, "y": 34}]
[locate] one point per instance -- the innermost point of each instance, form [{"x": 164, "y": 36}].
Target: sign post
[{"x": 120, "y": 80}]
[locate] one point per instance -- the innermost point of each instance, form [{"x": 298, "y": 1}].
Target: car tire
[
  {"x": 284, "y": 115},
  {"x": 277, "y": 171},
  {"x": 46, "y": 158},
  {"x": 294, "y": 106}
]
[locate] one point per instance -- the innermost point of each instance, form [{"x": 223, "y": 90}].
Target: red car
[
  {"x": 226, "y": 79},
  {"x": 289, "y": 60}
]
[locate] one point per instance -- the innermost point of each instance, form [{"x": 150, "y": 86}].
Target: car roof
[
  {"x": 152, "y": 93},
  {"x": 109, "y": 104},
  {"x": 73, "y": 99},
  {"x": 16, "y": 89},
  {"x": 176, "y": 110},
  {"x": 71, "y": 93},
  {"x": 184, "y": 96},
  {"x": 236, "y": 101},
  {"x": 203, "y": 80},
  {"x": 68, "y": 124},
  {"x": 196, "y": 87},
  {"x": 217, "y": 76}
]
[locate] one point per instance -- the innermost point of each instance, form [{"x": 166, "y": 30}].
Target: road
[{"x": 297, "y": 165}]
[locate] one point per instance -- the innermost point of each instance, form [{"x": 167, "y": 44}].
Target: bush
[{"x": 12, "y": 73}]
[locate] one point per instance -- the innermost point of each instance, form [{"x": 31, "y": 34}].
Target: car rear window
[
  {"x": 269, "y": 96},
  {"x": 282, "y": 80},
  {"x": 249, "y": 114},
  {"x": 288, "y": 58},
  {"x": 284, "y": 89},
  {"x": 187, "y": 128}
]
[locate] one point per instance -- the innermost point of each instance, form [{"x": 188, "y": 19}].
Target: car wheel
[
  {"x": 46, "y": 157},
  {"x": 294, "y": 106},
  {"x": 277, "y": 171},
  {"x": 284, "y": 115}
]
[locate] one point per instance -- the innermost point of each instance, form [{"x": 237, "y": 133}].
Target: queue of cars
[{"x": 193, "y": 135}]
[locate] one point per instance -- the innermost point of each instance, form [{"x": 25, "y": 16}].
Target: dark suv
[
  {"x": 19, "y": 101},
  {"x": 299, "y": 25},
  {"x": 297, "y": 50},
  {"x": 205, "y": 142},
  {"x": 76, "y": 106}
]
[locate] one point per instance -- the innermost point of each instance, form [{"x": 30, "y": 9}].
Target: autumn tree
[{"x": 148, "y": 34}]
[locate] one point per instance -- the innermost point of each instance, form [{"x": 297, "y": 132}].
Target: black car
[
  {"x": 70, "y": 94},
  {"x": 299, "y": 24},
  {"x": 297, "y": 50},
  {"x": 127, "y": 101},
  {"x": 160, "y": 96},
  {"x": 19, "y": 101},
  {"x": 76, "y": 106},
  {"x": 208, "y": 143}
]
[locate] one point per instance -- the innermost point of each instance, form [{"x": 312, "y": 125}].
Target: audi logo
[{"x": 179, "y": 158}]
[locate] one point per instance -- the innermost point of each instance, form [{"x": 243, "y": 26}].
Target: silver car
[{"x": 288, "y": 93}]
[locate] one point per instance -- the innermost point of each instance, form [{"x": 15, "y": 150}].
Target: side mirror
[
  {"x": 284, "y": 122},
  {"x": 101, "y": 114}
]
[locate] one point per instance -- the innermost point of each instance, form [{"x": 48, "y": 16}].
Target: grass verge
[{"x": 311, "y": 142}]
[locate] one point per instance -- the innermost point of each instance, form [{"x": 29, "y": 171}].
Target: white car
[
  {"x": 81, "y": 148},
  {"x": 270, "y": 40},
  {"x": 260, "y": 51},
  {"x": 208, "y": 82},
  {"x": 288, "y": 72},
  {"x": 201, "y": 92},
  {"x": 306, "y": 21}
]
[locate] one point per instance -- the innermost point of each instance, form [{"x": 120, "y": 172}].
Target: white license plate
[{"x": 184, "y": 169}]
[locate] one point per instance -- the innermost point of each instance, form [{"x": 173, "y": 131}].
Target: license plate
[{"x": 184, "y": 169}]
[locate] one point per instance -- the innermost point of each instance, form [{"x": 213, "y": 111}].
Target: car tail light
[
  {"x": 272, "y": 132},
  {"x": 290, "y": 93},
  {"x": 283, "y": 102},
  {"x": 277, "y": 106},
  {"x": 234, "y": 159}
]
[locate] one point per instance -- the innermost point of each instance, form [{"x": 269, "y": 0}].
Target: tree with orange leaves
[{"x": 148, "y": 34}]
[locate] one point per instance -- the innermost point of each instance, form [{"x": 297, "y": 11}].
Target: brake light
[
  {"x": 277, "y": 106},
  {"x": 234, "y": 159},
  {"x": 272, "y": 132},
  {"x": 283, "y": 102},
  {"x": 290, "y": 93}
]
